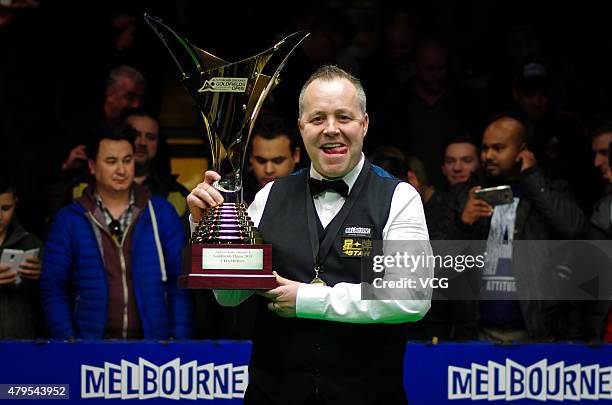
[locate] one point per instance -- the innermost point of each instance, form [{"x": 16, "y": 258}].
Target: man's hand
[
  {"x": 527, "y": 159},
  {"x": 6, "y": 276},
  {"x": 283, "y": 297},
  {"x": 203, "y": 196},
  {"x": 475, "y": 208},
  {"x": 77, "y": 153},
  {"x": 31, "y": 268}
]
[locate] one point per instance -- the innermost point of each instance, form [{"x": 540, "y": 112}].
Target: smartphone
[
  {"x": 31, "y": 253},
  {"x": 13, "y": 257},
  {"x": 495, "y": 195}
]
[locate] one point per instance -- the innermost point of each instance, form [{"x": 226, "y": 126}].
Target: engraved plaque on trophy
[{"x": 227, "y": 251}]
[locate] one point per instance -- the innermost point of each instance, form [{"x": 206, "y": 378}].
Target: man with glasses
[{"x": 113, "y": 256}]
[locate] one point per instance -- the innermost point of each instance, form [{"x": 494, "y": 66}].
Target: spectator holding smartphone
[
  {"x": 510, "y": 304},
  {"x": 20, "y": 311}
]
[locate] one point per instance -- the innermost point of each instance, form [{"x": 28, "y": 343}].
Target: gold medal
[{"x": 316, "y": 280}]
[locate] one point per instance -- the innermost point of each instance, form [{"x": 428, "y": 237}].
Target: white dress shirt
[{"x": 343, "y": 302}]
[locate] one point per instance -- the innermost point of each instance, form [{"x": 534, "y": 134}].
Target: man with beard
[
  {"x": 152, "y": 161},
  {"x": 510, "y": 306}
]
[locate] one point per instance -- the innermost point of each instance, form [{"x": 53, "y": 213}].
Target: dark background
[{"x": 54, "y": 60}]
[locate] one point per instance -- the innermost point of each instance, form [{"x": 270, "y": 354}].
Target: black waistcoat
[{"x": 346, "y": 363}]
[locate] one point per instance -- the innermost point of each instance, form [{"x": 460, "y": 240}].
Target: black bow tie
[{"x": 319, "y": 186}]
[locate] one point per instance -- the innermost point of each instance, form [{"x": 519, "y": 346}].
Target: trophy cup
[{"x": 227, "y": 251}]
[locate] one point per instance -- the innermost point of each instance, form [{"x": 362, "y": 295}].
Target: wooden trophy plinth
[{"x": 235, "y": 266}]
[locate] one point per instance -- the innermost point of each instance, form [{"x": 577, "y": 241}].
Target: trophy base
[{"x": 235, "y": 267}]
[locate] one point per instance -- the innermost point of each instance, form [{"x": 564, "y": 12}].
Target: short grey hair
[
  {"x": 128, "y": 72},
  {"x": 329, "y": 73}
]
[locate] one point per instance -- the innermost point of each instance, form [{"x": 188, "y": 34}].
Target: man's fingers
[
  {"x": 8, "y": 276},
  {"x": 200, "y": 200},
  {"x": 485, "y": 212},
  {"x": 210, "y": 177},
  {"x": 4, "y": 281},
  {"x": 280, "y": 280},
  {"x": 202, "y": 197},
  {"x": 271, "y": 294},
  {"x": 483, "y": 204},
  {"x": 279, "y": 310},
  {"x": 31, "y": 274},
  {"x": 472, "y": 191},
  {"x": 208, "y": 193},
  {"x": 30, "y": 266}
]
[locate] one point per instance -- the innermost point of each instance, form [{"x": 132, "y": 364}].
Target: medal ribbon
[{"x": 320, "y": 249}]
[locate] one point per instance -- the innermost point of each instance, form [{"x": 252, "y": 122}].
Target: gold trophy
[{"x": 226, "y": 250}]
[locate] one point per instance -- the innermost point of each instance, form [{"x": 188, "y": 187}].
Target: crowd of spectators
[{"x": 454, "y": 106}]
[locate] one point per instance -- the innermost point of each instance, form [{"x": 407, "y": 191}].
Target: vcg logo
[
  {"x": 172, "y": 380},
  {"x": 540, "y": 381}
]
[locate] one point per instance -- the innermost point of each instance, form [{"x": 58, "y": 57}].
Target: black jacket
[
  {"x": 546, "y": 212},
  {"x": 20, "y": 309}
]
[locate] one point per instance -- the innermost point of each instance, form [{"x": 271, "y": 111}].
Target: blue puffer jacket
[{"x": 73, "y": 283}]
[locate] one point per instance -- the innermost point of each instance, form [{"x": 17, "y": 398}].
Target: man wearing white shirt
[{"x": 316, "y": 340}]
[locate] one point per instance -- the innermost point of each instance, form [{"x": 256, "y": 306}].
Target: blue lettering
[
  {"x": 496, "y": 382},
  {"x": 570, "y": 378},
  {"x": 517, "y": 385},
  {"x": 221, "y": 381},
  {"x": 203, "y": 376},
  {"x": 554, "y": 381},
  {"x": 187, "y": 381},
  {"x": 604, "y": 382},
  {"x": 459, "y": 386},
  {"x": 91, "y": 383},
  {"x": 589, "y": 382},
  {"x": 149, "y": 380},
  {"x": 536, "y": 379},
  {"x": 130, "y": 386},
  {"x": 236, "y": 380},
  {"x": 165, "y": 379},
  {"x": 112, "y": 380},
  {"x": 481, "y": 380}
]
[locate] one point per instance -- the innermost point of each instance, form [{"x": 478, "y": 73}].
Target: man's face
[
  {"x": 500, "y": 148},
  {"x": 333, "y": 126},
  {"x": 460, "y": 160},
  {"x": 113, "y": 168},
  {"x": 7, "y": 210},
  {"x": 431, "y": 69},
  {"x": 533, "y": 103},
  {"x": 125, "y": 95},
  {"x": 147, "y": 139},
  {"x": 272, "y": 158},
  {"x": 601, "y": 148}
]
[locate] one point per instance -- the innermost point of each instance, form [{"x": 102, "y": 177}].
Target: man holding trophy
[
  {"x": 322, "y": 334},
  {"x": 315, "y": 339}
]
